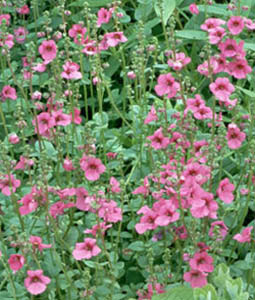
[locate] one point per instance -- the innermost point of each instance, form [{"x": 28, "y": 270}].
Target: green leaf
[
  {"x": 143, "y": 10},
  {"x": 219, "y": 10},
  {"x": 191, "y": 34},
  {"x": 92, "y": 3},
  {"x": 72, "y": 236},
  {"x": 177, "y": 293},
  {"x": 136, "y": 246},
  {"x": 205, "y": 293},
  {"x": 50, "y": 150},
  {"x": 247, "y": 92},
  {"x": 168, "y": 8}
]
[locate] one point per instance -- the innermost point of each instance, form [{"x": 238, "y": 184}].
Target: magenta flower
[
  {"x": 37, "y": 244},
  {"x": 36, "y": 283},
  {"x": 202, "y": 262},
  {"x": 78, "y": 33},
  {"x": 86, "y": 250},
  {"x": 230, "y": 48},
  {"x": 211, "y": 24},
  {"x": 16, "y": 262},
  {"x": 112, "y": 39},
  {"x": 92, "y": 167},
  {"x": 245, "y": 235},
  {"x": 45, "y": 122},
  {"x": 239, "y": 68},
  {"x": 225, "y": 190},
  {"x": 167, "y": 86},
  {"x": 234, "y": 136},
  {"x": 5, "y": 17},
  {"x": 48, "y": 50},
  {"x": 179, "y": 61},
  {"x": 60, "y": 118},
  {"x": 196, "y": 278},
  {"x": 20, "y": 34},
  {"x": 235, "y": 25}
]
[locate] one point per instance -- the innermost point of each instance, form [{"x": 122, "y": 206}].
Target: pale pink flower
[
  {"x": 109, "y": 211},
  {"x": 166, "y": 214},
  {"x": 204, "y": 206},
  {"x": 36, "y": 283},
  {"x": 13, "y": 138},
  {"x": 8, "y": 92},
  {"x": 103, "y": 16},
  {"x": 115, "y": 185},
  {"x": 203, "y": 112},
  {"x": 8, "y": 184},
  {"x": 39, "y": 67},
  {"x": 167, "y": 86},
  {"x": 71, "y": 71},
  {"x": 77, "y": 119},
  {"x": 193, "y": 9},
  {"x": 37, "y": 244},
  {"x": 68, "y": 165},
  {"x": 147, "y": 222},
  {"x": 131, "y": 75},
  {"x": 204, "y": 67},
  {"x": 7, "y": 40},
  {"x": 158, "y": 140},
  {"x": 86, "y": 249},
  {"x": 234, "y": 136},
  {"x": 23, "y": 163},
  {"x": 92, "y": 167},
  {"x": 196, "y": 278},
  {"x": 144, "y": 189},
  {"x": 48, "y": 50},
  {"x": 235, "y": 25},
  {"x": 223, "y": 230},
  {"x": 244, "y": 236},
  {"x": 202, "y": 261},
  {"x": 225, "y": 190},
  {"x": 59, "y": 207},
  {"x": 36, "y": 95},
  {"x": 222, "y": 88},
  {"x": 90, "y": 48},
  {"x": 16, "y": 262}
]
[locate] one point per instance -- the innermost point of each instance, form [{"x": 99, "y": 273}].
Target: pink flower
[
  {"x": 77, "y": 119},
  {"x": 147, "y": 222},
  {"x": 131, "y": 75},
  {"x": 37, "y": 244},
  {"x": 5, "y": 17},
  {"x": 48, "y": 50},
  {"x": 23, "y": 163},
  {"x": 92, "y": 167},
  {"x": 24, "y": 10},
  {"x": 8, "y": 93},
  {"x": 167, "y": 86},
  {"x": 245, "y": 235},
  {"x": 196, "y": 278},
  {"x": 68, "y": 165},
  {"x": 60, "y": 118},
  {"x": 158, "y": 140},
  {"x": 202, "y": 262},
  {"x": 7, "y": 40},
  {"x": 222, "y": 88},
  {"x": 203, "y": 112},
  {"x": 20, "y": 34},
  {"x": 86, "y": 250},
  {"x": 109, "y": 211},
  {"x": 96, "y": 228},
  {"x": 115, "y": 185},
  {"x": 40, "y": 67},
  {"x": 90, "y": 48},
  {"x": 78, "y": 33},
  {"x": 235, "y": 25},
  {"x": 204, "y": 206},
  {"x": 59, "y": 207},
  {"x": 71, "y": 71},
  {"x": 166, "y": 214},
  {"x": 234, "y": 136},
  {"x": 45, "y": 122},
  {"x": 216, "y": 35},
  {"x": 179, "y": 61},
  {"x": 239, "y": 68},
  {"x": 36, "y": 282},
  {"x": 13, "y": 138},
  {"x": 223, "y": 230},
  {"x": 152, "y": 116},
  {"x": 211, "y": 24},
  {"x": 112, "y": 39},
  {"x": 193, "y": 9},
  {"x": 225, "y": 190},
  {"x": 104, "y": 16},
  {"x": 8, "y": 184},
  {"x": 16, "y": 262},
  {"x": 230, "y": 48}
]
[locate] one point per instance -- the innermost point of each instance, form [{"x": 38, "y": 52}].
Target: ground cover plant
[{"x": 127, "y": 149}]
